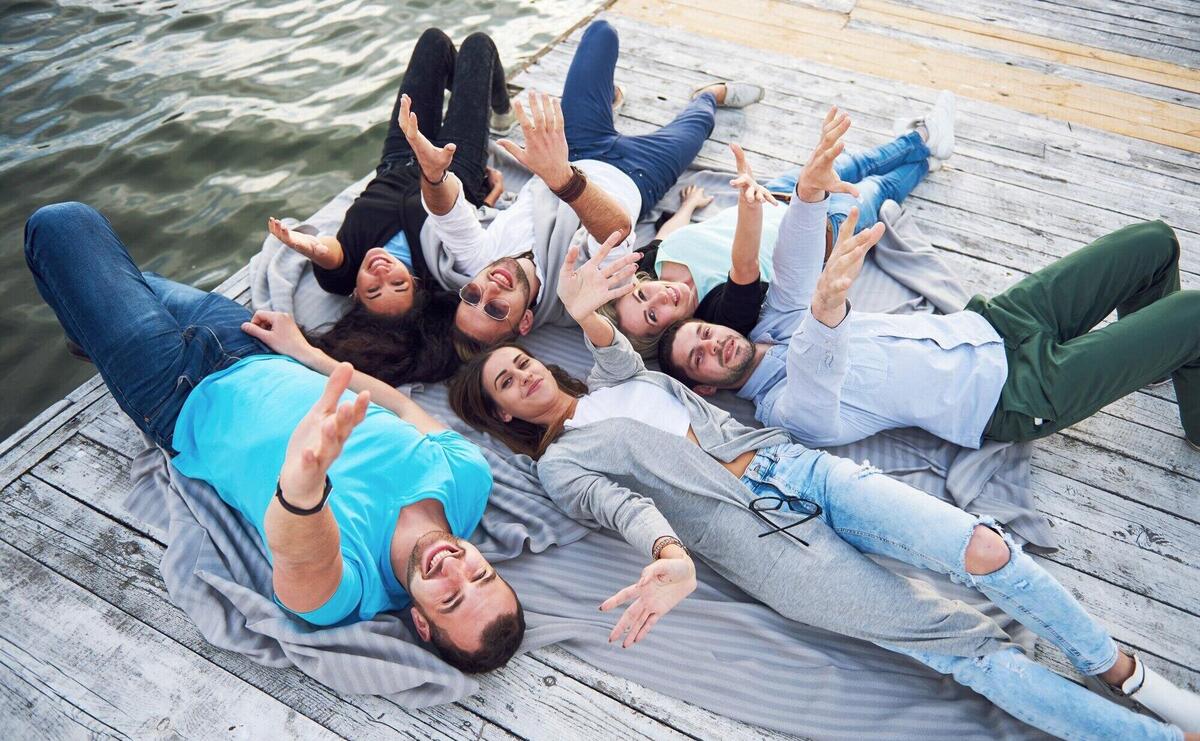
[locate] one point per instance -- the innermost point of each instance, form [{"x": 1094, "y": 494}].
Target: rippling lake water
[{"x": 188, "y": 123}]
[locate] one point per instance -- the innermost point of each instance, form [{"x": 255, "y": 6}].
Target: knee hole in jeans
[{"x": 986, "y": 552}]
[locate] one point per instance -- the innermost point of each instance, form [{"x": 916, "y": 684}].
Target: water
[{"x": 188, "y": 123}]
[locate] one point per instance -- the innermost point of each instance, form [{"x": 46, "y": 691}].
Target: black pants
[
  {"x": 391, "y": 202},
  {"x": 475, "y": 78}
]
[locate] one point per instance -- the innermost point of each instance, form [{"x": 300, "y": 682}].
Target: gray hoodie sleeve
[
  {"x": 615, "y": 363},
  {"x": 593, "y": 498}
]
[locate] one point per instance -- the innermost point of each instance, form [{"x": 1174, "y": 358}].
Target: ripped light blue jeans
[{"x": 878, "y": 514}]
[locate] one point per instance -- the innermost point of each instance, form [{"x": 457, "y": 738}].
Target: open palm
[
  {"x": 433, "y": 160},
  {"x": 819, "y": 173},
  {"x": 664, "y": 584}
]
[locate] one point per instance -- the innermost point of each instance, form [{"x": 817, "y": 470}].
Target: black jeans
[{"x": 475, "y": 78}]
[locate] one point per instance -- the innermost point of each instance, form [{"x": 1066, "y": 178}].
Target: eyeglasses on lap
[
  {"x": 497, "y": 308},
  {"x": 774, "y": 504}
]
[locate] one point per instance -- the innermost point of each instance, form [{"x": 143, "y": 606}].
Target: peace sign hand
[
  {"x": 664, "y": 584},
  {"x": 585, "y": 288},
  {"x": 433, "y": 160},
  {"x": 318, "y": 439},
  {"x": 819, "y": 175},
  {"x": 843, "y": 266},
  {"x": 752, "y": 194}
]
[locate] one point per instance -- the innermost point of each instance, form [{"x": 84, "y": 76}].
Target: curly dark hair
[{"x": 416, "y": 347}]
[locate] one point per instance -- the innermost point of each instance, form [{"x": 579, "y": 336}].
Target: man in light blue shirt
[{"x": 1019, "y": 366}]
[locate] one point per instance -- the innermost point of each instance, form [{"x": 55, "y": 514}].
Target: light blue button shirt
[{"x": 873, "y": 372}]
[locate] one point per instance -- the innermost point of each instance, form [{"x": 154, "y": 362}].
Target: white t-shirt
[
  {"x": 511, "y": 232},
  {"x": 637, "y": 400}
]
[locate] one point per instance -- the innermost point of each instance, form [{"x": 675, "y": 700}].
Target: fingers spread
[
  {"x": 517, "y": 153},
  {"x": 628, "y": 593},
  {"x": 739, "y": 156},
  {"x": 646, "y": 626}
]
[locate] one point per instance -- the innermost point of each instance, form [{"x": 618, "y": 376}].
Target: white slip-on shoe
[
  {"x": 1148, "y": 690},
  {"x": 940, "y": 124},
  {"x": 502, "y": 123},
  {"x": 737, "y": 94}
]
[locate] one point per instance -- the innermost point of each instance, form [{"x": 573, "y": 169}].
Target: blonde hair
[{"x": 646, "y": 347}]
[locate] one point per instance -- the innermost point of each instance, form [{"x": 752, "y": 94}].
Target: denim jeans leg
[
  {"x": 878, "y": 514},
  {"x": 872, "y": 192},
  {"x": 85, "y": 274},
  {"x": 903, "y": 150},
  {"x": 1037, "y": 696},
  {"x": 219, "y": 319},
  {"x": 588, "y": 93}
]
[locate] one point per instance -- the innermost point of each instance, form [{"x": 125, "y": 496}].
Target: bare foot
[
  {"x": 717, "y": 89},
  {"x": 306, "y": 244},
  {"x": 693, "y": 197}
]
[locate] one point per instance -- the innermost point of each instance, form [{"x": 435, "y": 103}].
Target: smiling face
[
  {"x": 499, "y": 290},
  {"x": 519, "y": 385},
  {"x": 384, "y": 286},
  {"x": 455, "y": 588},
  {"x": 653, "y": 306},
  {"x": 712, "y": 354}
]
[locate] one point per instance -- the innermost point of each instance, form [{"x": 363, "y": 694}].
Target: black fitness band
[{"x": 298, "y": 510}]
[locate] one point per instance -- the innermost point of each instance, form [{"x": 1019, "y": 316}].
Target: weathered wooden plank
[
  {"x": 792, "y": 75},
  {"x": 1116, "y": 540},
  {"x": 27, "y": 446},
  {"x": 69, "y": 645},
  {"x": 689, "y": 719},
  {"x": 121, "y": 566}
]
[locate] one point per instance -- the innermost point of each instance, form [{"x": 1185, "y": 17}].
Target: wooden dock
[{"x": 1074, "y": 119}]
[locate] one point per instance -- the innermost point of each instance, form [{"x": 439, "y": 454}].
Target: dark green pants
[{"x": 1061, "y": 371}]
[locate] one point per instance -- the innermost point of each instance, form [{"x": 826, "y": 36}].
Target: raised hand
[
  {"x": 664, "y": 584},
  {"x": 545, "y": 152},
  {"x": 433, "y": 160},
  {"x": 312, "y": 247},
  {"x": 819, "y": 175},
  {"x": 279, "y": 332},
  {"x": 318, "y": 439},
  {"x": 752, "y": 194},
  {"x": 843, "y": 266},
  {"x": 585, "y": 288}
]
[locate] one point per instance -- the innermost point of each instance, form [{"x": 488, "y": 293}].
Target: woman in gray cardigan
[{"x": 638, "y": 452}]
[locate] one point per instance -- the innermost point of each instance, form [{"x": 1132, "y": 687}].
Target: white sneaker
[
  {"x": 1149, "y": 690},
  {"x": 737, "y": 94},
  {"x": 502, "y": 123},
  {"x": 939, "y": 126}
]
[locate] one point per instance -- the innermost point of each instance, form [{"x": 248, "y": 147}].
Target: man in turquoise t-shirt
[{"x": 362, "y": 500}]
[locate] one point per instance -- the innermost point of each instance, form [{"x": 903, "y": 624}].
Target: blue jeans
[
  {"x": 878, "y": 514},
  {"x": 151, "y": 339},
  {"x": 887, "y": 172},
  {"x": 654, "y": 161}
]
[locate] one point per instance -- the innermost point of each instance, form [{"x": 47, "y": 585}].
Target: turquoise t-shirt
[
  {"x": 398, "y": 247},
  {"x": 706, "y": 247},
  {"x": 233, "y": 433}
]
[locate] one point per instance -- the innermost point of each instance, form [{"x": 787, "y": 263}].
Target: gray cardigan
[{"x": 597, "y": 474}]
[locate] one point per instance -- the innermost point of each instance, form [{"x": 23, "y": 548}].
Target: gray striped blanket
[{"x": 724, "y": 651}]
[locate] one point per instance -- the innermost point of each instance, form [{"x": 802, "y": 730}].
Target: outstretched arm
[
  {"x": 280, "y": 332},
  {"x": 747, "y": 236},
  {"x": 322, "y": 250},
  {"x": 306, "y": 549},
  {"x": 546, "y": 155}
]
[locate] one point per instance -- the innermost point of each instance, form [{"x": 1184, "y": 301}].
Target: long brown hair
[
  {"x": 416, "y": 347},
  {"x": 470, "y": 401}
]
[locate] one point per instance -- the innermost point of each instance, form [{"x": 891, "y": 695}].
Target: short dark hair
[
  {"x": 499, "y": 641},
  {"x": 413, "y": 348},
  {"x": 665, "y": 363}
]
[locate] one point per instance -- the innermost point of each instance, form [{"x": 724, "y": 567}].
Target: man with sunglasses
[{"x": 589, "y": 181}]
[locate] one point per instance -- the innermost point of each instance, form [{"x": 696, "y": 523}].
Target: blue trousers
[
  {"x": 887, "y": 172},
  {"x": 654, "y": 161},
  {"x": 878, "y": 514},
  {"x": 151, "y": 339}
]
